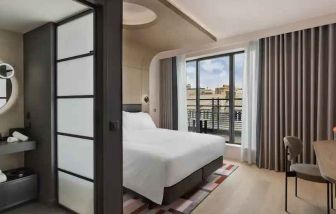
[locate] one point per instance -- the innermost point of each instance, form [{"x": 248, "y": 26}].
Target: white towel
[
  {"x": 3, "y": 178},
  {"x": 20, "y": 136},
  {"x": 12, "y": 140}
]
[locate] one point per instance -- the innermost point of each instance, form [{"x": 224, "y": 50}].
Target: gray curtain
[
  {"x": 168, "y": 94},
  {"x": 298, "y": 92}
]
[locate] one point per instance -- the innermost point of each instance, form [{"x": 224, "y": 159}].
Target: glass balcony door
[{"x": 214, "y": 95}]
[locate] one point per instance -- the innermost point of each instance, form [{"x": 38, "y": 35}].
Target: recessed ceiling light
[{"x": 137, "y": 15}]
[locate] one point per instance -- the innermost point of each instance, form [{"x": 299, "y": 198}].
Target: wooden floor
[{"x": 250, "y": 190}]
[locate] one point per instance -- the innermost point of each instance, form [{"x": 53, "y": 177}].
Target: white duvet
[{"x": 159, "y": 158}]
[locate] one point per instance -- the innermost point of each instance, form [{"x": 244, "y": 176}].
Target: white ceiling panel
[
  {"x": 226, "y": 18},
  {"x": 24, "y": 15}
]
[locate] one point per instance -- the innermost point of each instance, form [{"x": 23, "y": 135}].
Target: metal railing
[{"x": 215, "y": 115}]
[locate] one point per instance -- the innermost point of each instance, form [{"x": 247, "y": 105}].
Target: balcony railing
[{"x": 215, "y": 116}]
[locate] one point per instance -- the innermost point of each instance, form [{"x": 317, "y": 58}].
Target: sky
[{"x": 214, "y": 72}]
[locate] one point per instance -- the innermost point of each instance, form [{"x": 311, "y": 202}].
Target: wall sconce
[{"x": 146, "y": 99}]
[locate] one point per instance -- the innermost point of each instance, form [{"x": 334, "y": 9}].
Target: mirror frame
[{"x": 13, "y": 97}]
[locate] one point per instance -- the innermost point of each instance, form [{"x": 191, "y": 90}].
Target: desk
[{"x": 326, "y": 158}]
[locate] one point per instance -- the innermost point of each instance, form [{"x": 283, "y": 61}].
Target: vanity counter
[{"x": 10, "y": 148}]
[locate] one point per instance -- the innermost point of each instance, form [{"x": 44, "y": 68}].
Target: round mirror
[
  {"x": 8, "y": 88},
  {"x": 6, "y": 71}
]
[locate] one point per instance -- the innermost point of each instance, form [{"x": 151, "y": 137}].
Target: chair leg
[
  {"x": 295, "y": 186},
  {"x": 286, "y": 193},
  {"x": 328, "y": 195},
  {"x": 332, "y": 198}
]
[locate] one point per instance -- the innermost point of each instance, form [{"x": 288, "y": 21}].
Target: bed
[{"x": 162, "y": 165}]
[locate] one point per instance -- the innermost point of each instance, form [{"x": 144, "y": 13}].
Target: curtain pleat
[
  {"x": 166, "y": 94},
  {"x": 298, "y": 92}
]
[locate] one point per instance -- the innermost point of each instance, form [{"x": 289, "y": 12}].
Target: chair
[{"x": 309, "y": 172}]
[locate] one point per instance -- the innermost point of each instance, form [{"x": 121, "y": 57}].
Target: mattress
[{"x": 159, "y": 158}]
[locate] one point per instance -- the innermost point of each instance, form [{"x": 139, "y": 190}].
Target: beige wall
[
  {"x": 11, "y": 51},
  {"x": 136, "y": 61}
]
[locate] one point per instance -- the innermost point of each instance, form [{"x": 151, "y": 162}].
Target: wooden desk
[{"x": 326, "y": 159}]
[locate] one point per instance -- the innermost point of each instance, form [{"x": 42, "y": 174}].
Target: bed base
[{"x": 188, "y": 184}]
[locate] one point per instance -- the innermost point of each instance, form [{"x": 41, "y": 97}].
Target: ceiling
[
  {"x": 227, "y": 18},
  {"x": 24, "y": 15},
  {"x": 169, "y": 31}
]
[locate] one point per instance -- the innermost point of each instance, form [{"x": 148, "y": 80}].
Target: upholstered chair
[{"x": 309, "y": 172}]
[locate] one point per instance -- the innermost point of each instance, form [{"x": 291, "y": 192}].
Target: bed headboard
[{"x": 132, "y": 107}]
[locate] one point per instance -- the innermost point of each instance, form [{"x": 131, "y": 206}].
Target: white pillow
[{"x": 137, "y": 121}]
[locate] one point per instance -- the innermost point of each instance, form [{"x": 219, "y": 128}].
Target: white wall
[
  {"x": 154, "y": 90},
  {"x": 136, "y": 61},
  {"x": 11, "y": 51}
]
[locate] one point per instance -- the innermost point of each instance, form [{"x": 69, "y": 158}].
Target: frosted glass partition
[
  {"x": 75, "y": 102},
  {"x": 68, "y": 74},
  {"x": 75, "y": 37},
  {"x": 75, "y": 193},
  {"x": 75, "y": 116},
  {"x": 75, "y": 155},
  {"x": 3, "y": 88}
]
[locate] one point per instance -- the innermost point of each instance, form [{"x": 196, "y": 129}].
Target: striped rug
[{"x": 183, "y": 205}]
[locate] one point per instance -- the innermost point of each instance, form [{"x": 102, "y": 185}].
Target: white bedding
[{"x": 158, "y": 158}]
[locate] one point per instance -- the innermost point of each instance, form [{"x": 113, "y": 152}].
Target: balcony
[{"x": 215, "y": 117}]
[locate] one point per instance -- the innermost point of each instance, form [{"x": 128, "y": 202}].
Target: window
[{"x": 215, "y": 94}]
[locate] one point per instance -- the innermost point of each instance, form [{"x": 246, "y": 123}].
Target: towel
[
  {"x": 12, "y": 140},
  {"x": 3, "y": 178},
  {"x": 20, "y": 136}
]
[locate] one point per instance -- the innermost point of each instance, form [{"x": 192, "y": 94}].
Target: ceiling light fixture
[{"x": 135, "y": 15}]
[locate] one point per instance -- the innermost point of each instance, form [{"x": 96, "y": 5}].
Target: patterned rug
[{"x": 183, "y": 205}]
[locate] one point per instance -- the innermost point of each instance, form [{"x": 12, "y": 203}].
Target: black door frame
[
  {"x": 109, "y": 191},
  {"x": 56, "y": 97},
  {"x": 108, "y": 105},
  {"x": 197, "y": 61}
]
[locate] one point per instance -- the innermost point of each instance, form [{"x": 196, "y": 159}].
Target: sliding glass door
[
  {"x": 75, "y": 132},
  {"x": 214, "y": 95}
]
